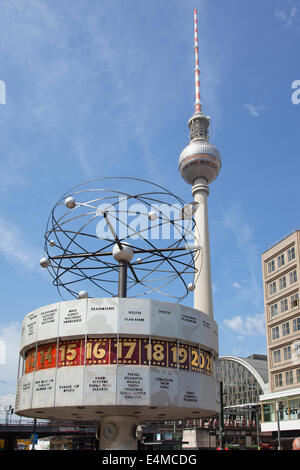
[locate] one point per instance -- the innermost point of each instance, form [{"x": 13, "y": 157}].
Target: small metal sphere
[
  {"x": 44, "y": 262},
  {"x": 191, "y": 286},
  {"x": 52, "y": 243},
  {"x": 83, "y": 294},
  {"x": 124, "y": 254},
  {"x": 189, "y": 210},
  {"x": 70, "y": 202},
  {"x": 139, "y": 260},
  {"x": 152, "y": 215}
]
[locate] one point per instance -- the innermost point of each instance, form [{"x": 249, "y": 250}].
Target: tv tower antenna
[
  {"x": 198, "y": 106},
  {"x": 199, "y": 165}
]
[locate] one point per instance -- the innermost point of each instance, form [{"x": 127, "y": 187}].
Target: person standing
[{"x": 296, "y": 443}]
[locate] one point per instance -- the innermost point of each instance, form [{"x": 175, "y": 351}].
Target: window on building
[
  {"x": 280, "y": 260},
  {"x": 291, "y": 253},
  {"x": 268, "y": 410},
  {"x": 287, "y": 353},
  {"x": 272, "y": 288},
  {"x": 278, "y": 380},
  {"x": 285, "y": 328},
  {"x": 274, "y": 310},
  {"x": 294, "y": 300},
  {"x": 294, "y": 405},
  {"x": 289, "y": 377},
  {"x": 275, "y": 332},
  {"x": 276, "y": 356},
  {"x": 282, "y": 282},
  {"x": 293, "y": 276},
  {"x": 296, "y": 324},
  {"x": 298, "y": 376},
  {"x": 271, "y": 266},
  {"x": 284, "y": 305}
]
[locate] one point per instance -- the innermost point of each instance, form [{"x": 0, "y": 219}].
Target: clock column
[{"x": 118, "y": 433}]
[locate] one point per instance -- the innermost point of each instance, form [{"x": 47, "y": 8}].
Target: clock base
[{"x": 118, "y": 433}]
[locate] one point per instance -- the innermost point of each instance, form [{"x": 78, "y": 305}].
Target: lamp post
[
  {"x": 278, "y": 423},
  {"x": 221, "y": 424},
  {"x": 33, "y": 435},
  {"x": 257, "y": 426}
]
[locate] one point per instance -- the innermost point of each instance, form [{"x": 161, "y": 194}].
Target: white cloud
[
  {"x": 235, "y": 323},
  {"x": 6, "y": 400},
  {"x": 249, "y": 326},
  {"x": 10, "y": 337},
  {"x": 254, "y": 110},
  {"x": 14, "y": 247},
  {"x": 281, "y": 15},
  {"x": 286, "y": 16},
  {"x": 236, "y": 285}
]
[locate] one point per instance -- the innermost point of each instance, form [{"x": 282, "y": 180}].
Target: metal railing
[
  {"x": 11, "y": 419},
  {"x": 7, "y": 419}
]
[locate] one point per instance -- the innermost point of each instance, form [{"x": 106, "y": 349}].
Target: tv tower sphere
[{"x": 199, "y": 159}]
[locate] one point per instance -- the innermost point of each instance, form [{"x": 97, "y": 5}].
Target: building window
[
  {"x": 271, "y": 266},
  {"x": 296, "y": 324},
  {"x": 294, "y": 408},
  {"x": 275, "y": 332},
  {"x": 286, "y": 328},
  {"x": 272, "y": 288},
  {"x": 287, "y": 353},
  {"x": 294, "y": 300},
  {"x": 280, "y": 260},
  {"x": 282, "y": 282},
  {"x": 268, "y": 410},
  {"x": 274, "y": 310},
  {"x": 291, "y": 253},
  {"x": 293, "y": 276},
  {"x": 298, "y": 376},
  {"x": 289, "y": 377},
  {"x": 278, "y": 380},
  {"x": 284, "y": 305},
  {"x": 276, "y": 356}
]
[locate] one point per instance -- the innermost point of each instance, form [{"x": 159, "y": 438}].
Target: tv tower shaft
[{"x": 199, "y": 165}]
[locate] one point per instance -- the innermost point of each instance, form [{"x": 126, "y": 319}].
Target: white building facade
[{"x": 281, "y": 279}]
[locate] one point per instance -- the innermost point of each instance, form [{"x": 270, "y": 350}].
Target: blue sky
[{"x": 105, "y": 88}]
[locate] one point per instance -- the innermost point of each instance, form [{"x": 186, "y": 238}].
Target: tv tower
[{"x": 199, "y": 165}]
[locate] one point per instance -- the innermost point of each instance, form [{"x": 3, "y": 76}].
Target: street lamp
[
  {"x": 221, "y": 423},
  {"x": 278, "y": 408},
  {"x": 257, "y": 416}
]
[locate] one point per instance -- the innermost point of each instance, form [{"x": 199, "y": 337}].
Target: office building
[{"x": 281, "y": 280}]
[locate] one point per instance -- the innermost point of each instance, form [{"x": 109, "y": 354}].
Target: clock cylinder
[{"x": 92, "y": 358}]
